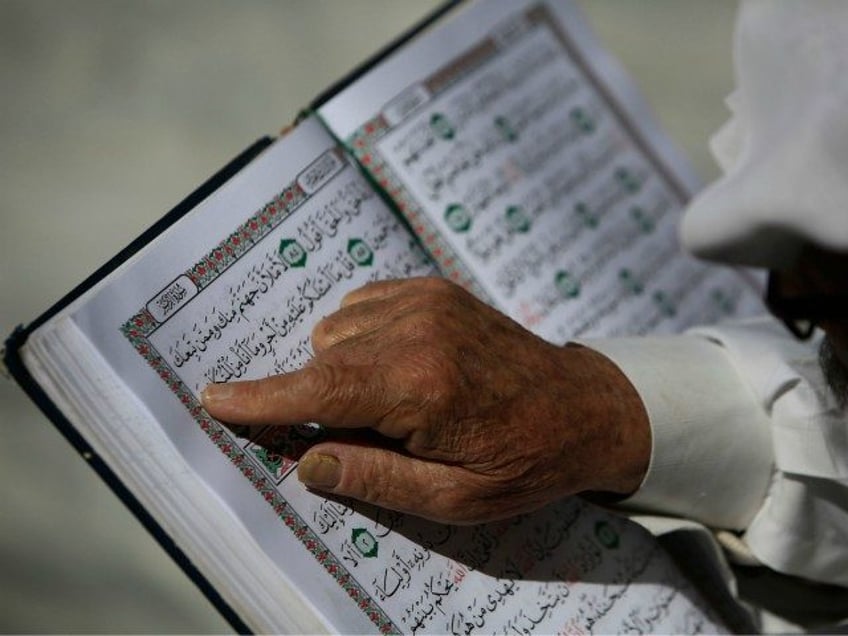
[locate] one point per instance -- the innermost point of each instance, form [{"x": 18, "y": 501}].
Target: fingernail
[
  {"x": 319, "y": 471},
  {"x": 214, "y": 393}
]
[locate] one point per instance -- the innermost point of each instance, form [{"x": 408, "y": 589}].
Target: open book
[{"x": 496, "y": 145}]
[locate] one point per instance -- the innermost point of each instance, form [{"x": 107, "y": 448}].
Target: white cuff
[{"x": 711, "y": 457}]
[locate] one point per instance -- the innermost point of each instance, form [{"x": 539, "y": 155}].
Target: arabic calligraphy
[
  {"x": 569, "y": 569},
  {"x": 523, "y": 169},
  {"x": 255, "y": 318}
]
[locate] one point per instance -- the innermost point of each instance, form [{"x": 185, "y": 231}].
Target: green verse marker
[
  {"x": 360, "y": 252},
  {"x": 457, "y": 218},
  {"x": 292, "y": 253},
  {"x": 364, "y": 542}
]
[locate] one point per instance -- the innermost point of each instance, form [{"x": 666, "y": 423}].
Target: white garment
[
  {"x": 746, "y": 434},
  {"x": 785, "y": 148}
]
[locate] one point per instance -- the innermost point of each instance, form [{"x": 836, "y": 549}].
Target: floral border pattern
[
  {"x": 140, "y": 326},
  {"x": 363, "y": 144}
]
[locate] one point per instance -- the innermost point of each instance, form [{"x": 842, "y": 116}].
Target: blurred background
[{"x": 110, "y": 112}]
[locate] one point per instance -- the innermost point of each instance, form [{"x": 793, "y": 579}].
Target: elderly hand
[{"x": 485, "y": 419}]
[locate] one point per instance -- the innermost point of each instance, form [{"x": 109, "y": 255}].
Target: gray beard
[{"x": 835, "y": 372}]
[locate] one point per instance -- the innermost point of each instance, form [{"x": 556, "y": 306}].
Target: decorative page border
[
  {"x": 363, "y": 146},
  {"x": 363, "y": 142},
  {"x": 141, "y": 326}
]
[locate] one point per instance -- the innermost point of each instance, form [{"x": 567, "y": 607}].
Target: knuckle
[
  {"x": 437, "y": 285},
  {"x": 335, "y": 329},
  {"x": 372, "y": 289},
  {"x": 322, "y": 334},
  {"x": 358, "y": 293},
  {"x": 322, "y": 380},
  {"x": 261, "y": 394},
  {"x": 349, "y": 395},
  {"x": 434, "y": 292},
  {"x": 428, "y": 382},
  {"x": 374, "y": 484}
]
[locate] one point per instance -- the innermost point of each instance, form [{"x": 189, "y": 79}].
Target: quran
[{"x": 496, "y": 144}]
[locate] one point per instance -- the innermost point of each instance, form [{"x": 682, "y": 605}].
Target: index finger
[{"x": 336, "y": 396}]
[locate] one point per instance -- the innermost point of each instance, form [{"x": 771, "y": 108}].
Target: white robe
[{"x": 747, "y": 437}]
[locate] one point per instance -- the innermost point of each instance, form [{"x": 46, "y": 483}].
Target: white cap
[{"x": 785, "y": 149}]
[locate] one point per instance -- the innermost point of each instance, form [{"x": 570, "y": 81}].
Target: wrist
[{"x": 618, "y": 430}]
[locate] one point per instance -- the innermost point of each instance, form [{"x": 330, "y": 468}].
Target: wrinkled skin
[{"x": 480, "y": 419}]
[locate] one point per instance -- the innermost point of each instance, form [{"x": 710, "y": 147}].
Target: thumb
[{"x": 387, "y": 479}]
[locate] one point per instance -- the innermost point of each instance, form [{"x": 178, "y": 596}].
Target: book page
[
  {"x": 530, "y": 171},
  {"x": 231, "y": 292}
]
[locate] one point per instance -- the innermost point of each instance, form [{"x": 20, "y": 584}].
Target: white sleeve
[
  {"x": 746, "y": 436},
  {"x": 711, "y": 458}
]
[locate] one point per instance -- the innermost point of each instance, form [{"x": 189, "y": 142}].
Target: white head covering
[{"x": 785, "y": 149}]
